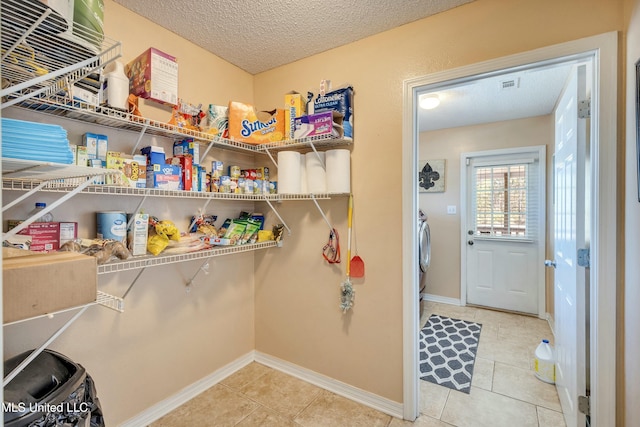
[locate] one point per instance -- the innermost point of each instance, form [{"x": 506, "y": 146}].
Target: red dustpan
[{"x": 357, "y": 264}]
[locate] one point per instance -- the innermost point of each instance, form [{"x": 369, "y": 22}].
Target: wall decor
[{"x": 431, "y": 175}]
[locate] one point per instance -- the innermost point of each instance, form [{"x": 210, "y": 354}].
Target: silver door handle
[{"x": 550, "y": 263}]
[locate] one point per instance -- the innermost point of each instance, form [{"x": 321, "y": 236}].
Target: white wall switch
[{"x": 451, "y": 210}]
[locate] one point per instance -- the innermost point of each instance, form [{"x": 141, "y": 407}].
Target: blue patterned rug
[{"x": 448, "y": 350}]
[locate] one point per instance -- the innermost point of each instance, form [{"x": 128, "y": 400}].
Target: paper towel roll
[
  {"x": 338, "y": 171},
  {"x": 289, "y": 172},
  {"x": 304, "y": 189},
  {"x": 316, "y": 175}
]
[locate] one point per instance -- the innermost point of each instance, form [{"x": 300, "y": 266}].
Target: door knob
[
  {"x": 550, "y": 263},
  {"x": 470, "y": 243}
]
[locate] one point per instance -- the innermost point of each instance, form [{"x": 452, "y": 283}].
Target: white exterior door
[
  {"x": 569, "y": 210},
  {"x": 504, "y": 229}
]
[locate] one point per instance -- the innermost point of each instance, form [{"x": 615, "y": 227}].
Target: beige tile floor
[{"x": 504, "y": 390}]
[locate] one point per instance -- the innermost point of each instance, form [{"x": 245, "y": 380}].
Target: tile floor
[{"x": 504, "y": 390}]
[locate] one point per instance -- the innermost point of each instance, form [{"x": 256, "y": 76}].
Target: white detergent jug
[
  {"x": 116, "y": 89},
  {"x": 545, "y": 368}
]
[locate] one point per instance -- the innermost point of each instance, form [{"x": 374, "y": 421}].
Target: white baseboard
[
  {"x": 443, "y": 300},
  {"x": 366, "y": 398},
  {"x": 167, "y": 405},
  {"x": 162, "y": 408}
]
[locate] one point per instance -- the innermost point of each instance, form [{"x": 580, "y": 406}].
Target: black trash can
[{"x": 50, "y": 391}]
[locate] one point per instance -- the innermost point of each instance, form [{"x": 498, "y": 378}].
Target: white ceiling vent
[{"x": 510, "y": 84}]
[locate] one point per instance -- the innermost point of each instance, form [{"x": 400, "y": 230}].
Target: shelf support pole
[
  {"x": 201, "y": 268},
  {"x": 321, "y": 212},
  {"x": 40, "y": 349},
  {"x": 206, "y": 151},
  {"x": 144, "y": 198},
  {"x": 278, "y": 215},
  {"x": 271, "y": 157},
  {"x": 142, "y": 132},
  {"x": 25, "y": 195},
  {"x": 135, "y": 280},
  {"x": 313, "y": 147}
]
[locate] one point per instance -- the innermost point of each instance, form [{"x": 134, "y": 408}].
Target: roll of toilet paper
[
  {"x": 316, "y": 174},
  {"x": 304, "y": 189},
  {"x": 338, "y": 171},
  {"x": 289, "y": 172}
]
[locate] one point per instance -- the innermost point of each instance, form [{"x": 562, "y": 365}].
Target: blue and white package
[{"x": 340, "y": 100}]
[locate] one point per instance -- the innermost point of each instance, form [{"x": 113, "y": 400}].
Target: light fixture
[{"x": 429, "y": 102}]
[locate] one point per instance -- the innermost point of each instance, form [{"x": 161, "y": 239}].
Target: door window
[{"x": 503, "y": 203}]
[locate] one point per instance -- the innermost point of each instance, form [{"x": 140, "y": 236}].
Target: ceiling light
[{"x": 429, "y": 102}]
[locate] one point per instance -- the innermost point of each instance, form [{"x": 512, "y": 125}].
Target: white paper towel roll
[
  {"x": 316, "y": 175},
  {"x": 304, "y": 189},
  {"x": 289, "y": 172},
  {"x": 338, "y": 171}
]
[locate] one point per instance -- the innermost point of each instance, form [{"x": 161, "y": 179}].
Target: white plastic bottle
[
  {"x": 48, "y": 217},
  {"x": 116, "y": 90},
  {"x": 545, "y": 367}
]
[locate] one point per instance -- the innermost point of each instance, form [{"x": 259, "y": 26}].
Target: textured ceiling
[{"x": 260, "y": 35}]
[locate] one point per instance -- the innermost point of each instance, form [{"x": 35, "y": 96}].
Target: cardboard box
[
  {"x": 186, "y": 165},
  {"x": 340, "y": 100},
  {"x": 166, "y": 177},
  {"x": 187, "y": 147},
  {"x": 47, "y": 236},
  {"x": 129, "y": 167},
  {"x": 325, "y": 123},
  {"x": 154, "y": 75},
  {"x": 247, "y": 125},
  {"x": 90, "y": 140},
  {"x": 35, "y": 285},
  {"x": 294, "y": 106}
]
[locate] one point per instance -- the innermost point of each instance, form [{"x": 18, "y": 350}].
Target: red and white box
[{"x": 47, "y": 236}]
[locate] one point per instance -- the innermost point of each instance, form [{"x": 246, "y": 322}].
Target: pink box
[
  {"x": 48, "y": 236},
  {"x": 324, "y": 123},
  {"x": 154, "y": 75}
]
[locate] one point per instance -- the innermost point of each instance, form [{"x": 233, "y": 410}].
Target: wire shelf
[
  {"x": 29, "y": 171},
  {"x": 43, "y": 54},
  {"x": 110, "y": 301},
  {"x": 152, "y": 261}
]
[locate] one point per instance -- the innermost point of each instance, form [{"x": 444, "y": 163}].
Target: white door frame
[
  {"x": 603, "y": 273},
  {"x": 542, "y": 214}
]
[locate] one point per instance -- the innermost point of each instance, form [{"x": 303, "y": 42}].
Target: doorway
[
  {"x": 503, "y": 229},
  {"x": 602, "y": 50}
]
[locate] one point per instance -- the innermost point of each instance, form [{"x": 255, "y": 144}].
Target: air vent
[{"x": 510, "y": 84}]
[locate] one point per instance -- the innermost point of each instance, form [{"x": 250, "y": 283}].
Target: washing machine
[{"x": 424, "y": 253}]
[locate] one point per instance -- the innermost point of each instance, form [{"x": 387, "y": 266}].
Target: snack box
[
  {"x": 155, "y": 155},
  {"x": 46, "y": 236},
  {"x": 294, "y": 106},
  {"x": 129, "y": 167},
  {"x": 186, "y": 165},
  {"x": 187, "y": 147},
  {"x": 340, "y": 100},
  {"x": 218, "y": 120},
  {"x": 325, "y": 123},
  {"x": 167, "y": 177},
  {"x": 247, "y": 125},
  {"x": 37, "y": 284},
  {"x": 154, "y": 75}
]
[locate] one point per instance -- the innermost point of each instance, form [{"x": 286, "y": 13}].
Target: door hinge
[
  {"x": 584, "y": 109},
  {"x": 584, "y": 258},
  {"x": 584, "y": 405}
]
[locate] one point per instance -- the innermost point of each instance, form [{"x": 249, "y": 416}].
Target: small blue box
[{"x": 155, "y": 155}]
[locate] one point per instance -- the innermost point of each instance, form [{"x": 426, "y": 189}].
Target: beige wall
[
  {"x": 449, "y": 144},
  {"x": 167, "y": 340},
  {"x": 364, "y": 348},
  {"x": 630, "y": 375}
]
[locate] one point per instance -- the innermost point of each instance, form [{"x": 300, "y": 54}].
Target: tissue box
[
  {"x": 325, "y": 123},
  {"x": 154, "y": 75},
  {"x": 247, "y": 125},
  {"x": 166, "y": 177}
]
